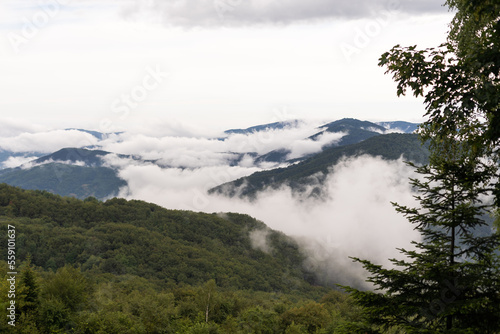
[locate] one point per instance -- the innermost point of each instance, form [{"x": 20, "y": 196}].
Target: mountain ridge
[
  {"x": 76, "y": 167},
  {"x": 74, "y": 155},
  {"x": 263, "y": 127},
  {"x": 356, "y": 131},
  {"x": 389, "y": 146}
]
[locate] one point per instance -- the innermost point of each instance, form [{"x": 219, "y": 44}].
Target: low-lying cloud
[
  {"x": 33, "y": 163},
  {"x": 355, "y": 219},
  {"x": 46, "y": 141},
  {"x": 16, "y": 161},
  {"x": 259, "y": 240},
  {"x": 170, "y": 149},
  {"x": 301, "y": 148},
  {"x": 198, "y": 152}
]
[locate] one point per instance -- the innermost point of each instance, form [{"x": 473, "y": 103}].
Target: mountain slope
[
  {"x": 66, "y": 180},
  {"x": 355, "y": 132},
  {"x": 134, "y": 267},
  {"x": 390, "y": 146},
  {"x": 138, "y": 238},
  {"x": 31, "y": 147},
  {"x": 75, "y": 155},
  {"x": 5, "y": 155},
  {"x": 73, "y": 172},
  {"x": 263, "y": 127}
]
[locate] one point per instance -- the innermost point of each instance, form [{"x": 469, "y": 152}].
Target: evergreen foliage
[
  {"x": 460, "y": 79},
  {"x": 450, "y": 282}
]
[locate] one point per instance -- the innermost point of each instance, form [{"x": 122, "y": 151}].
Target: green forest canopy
[{"x": 133, "y": 267}]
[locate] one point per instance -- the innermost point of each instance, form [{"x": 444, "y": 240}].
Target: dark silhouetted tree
[{"x": 450, "y": 282}]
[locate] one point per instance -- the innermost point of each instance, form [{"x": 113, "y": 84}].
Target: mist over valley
[{"x": 328, "y": 185}]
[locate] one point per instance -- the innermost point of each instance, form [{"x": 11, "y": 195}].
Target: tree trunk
[{"x": 208, "y": 305}]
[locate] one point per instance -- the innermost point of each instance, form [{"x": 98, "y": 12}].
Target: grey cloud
[
  {"x": 192, "y": 13},
  {"x": 424, "y": 7}
]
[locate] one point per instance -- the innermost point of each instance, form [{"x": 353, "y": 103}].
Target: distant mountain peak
[
  {"x": 352, "y": 123},
  {"x": 357, "y": 131},
  {"x": 74, "y": 155},
  {"x": 264, "y": 127}
]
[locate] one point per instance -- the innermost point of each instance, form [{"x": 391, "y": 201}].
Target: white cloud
[
  {"x": 304, "y": 147},
  {"x": 259, "y": 240},
  {"x": 377, "y": 130},
  {"x": 159, "y": 127},
  {"x": 10, "y": 127},
  {"x": 172, "y": 151},
  {"x": 32, "y": 164},
  {"x": 180, "y": 188},
  {"x": 265, "y": 141},
  {"x": 196, "y": 152},
  {"x": 85, "y": 58},
  {"x": 13, "y": 162},
  {"x": 356, "y": 219},
  {"x": 46, "y": 142}
]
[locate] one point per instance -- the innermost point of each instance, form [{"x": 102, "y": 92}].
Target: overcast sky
[
  {"x": 170, "y": 68},
  {"x": 113, "y": 65}
]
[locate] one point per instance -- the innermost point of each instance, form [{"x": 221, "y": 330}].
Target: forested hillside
[
  {"x": 66, "y": 180},
  {"x": 298, "y": 176},
  {"x": 133, "y": 267}
]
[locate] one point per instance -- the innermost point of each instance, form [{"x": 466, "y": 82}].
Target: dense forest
[{"x": 119, "y": 266}]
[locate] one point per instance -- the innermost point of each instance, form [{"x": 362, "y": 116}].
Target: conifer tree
[
  {"x": 450, "y": 282},
  {"x": 29, "y": 289},
  {"x": 29, "y": 302}
]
